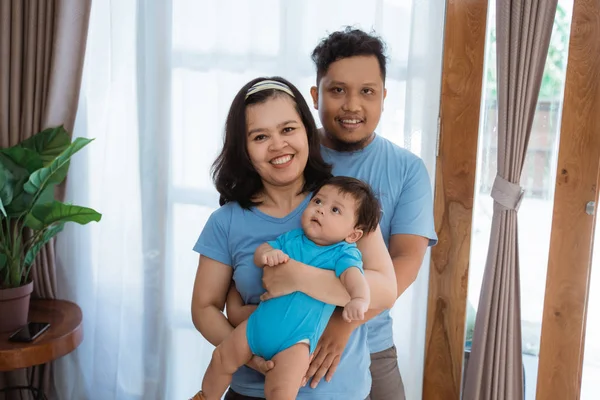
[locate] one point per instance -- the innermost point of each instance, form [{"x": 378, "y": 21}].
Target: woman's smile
[{"x": 282, "y": 161}]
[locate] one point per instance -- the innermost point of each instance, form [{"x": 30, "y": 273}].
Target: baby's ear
[{"x": 354, "y": 236}]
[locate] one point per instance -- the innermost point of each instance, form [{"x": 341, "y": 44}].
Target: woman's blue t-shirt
[{"x": 230, "y": 236}]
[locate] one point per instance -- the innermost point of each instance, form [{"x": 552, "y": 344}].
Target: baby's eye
[
  {"x": 335, "y": 210},
  {"x": 317, "y": 201}
]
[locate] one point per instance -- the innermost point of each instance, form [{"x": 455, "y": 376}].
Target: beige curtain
[
  {"x": 495, "y": 370},
  {"x": 42, "y": 46}
]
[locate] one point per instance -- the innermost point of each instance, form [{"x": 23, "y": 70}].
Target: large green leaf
[
  {"x": 43, "y": 215},
  {"x": 21, "y": 202},
  {"x": 23, "y": 157},
  {"x": 14, "y": 168},
  {"x": 54, "y": 172},
  {"x": 47, "y": 196},
  {"x": 3, "y": 260},
  {"x": 61, "y": 173},
  {"x": 7, "y": 181},
  {"x": 49, "y": 143},
  {"x": 46, "y": 236},
  {"x": 32, "y": 222}
]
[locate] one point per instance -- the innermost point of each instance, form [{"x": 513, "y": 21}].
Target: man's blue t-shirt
[
  {"x": 231, "y": 236},
  {"x": 401, "y": 182},
  {"x": 279, "y": 323}
]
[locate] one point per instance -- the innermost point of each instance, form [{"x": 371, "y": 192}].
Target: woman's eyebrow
[
  {"x": 290, "y": 121},
  {"x": 257, "y": 130}
]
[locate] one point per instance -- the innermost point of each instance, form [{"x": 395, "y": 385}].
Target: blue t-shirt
[
  {"x": 231, "y": 236},
  {"x": 401, "y": 182},
  {"x": 282, "y": 322}
]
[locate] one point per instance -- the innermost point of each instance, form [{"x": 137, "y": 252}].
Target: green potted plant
[{"x": 29, "y": 214}]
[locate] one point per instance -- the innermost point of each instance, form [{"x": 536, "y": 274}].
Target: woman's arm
[
  {"x": 325, "y": 286},
  {"x": 237, "y": 311},
  {"x": 208, "y": 300}
]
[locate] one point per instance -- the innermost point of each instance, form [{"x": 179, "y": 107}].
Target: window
[{"x": 538, "y": 179}]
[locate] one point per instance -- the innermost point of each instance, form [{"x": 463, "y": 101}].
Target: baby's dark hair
[
  {"x": 368, "y": 211},
  {"x": 346, "y": 43}
]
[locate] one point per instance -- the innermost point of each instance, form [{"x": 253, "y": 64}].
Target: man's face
[{"x": 350, "y": 101}]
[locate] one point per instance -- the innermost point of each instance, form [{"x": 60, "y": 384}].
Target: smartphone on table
[{"x": 29, "y": 332}]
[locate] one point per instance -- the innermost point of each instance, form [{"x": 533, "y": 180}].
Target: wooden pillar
[
  {"x": 462, "y": 77},
  {"x": 569, "y": 261}
]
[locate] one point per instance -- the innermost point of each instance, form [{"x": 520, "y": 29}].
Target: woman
[{"x": 269, "y": 164}]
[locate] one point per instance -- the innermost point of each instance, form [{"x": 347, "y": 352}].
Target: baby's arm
[
  {"x": 360, "y": 295},
  {"x": 265, "y": 255}
]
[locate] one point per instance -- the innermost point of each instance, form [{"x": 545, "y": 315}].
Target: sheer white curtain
[{"x": 159, "y": 77}]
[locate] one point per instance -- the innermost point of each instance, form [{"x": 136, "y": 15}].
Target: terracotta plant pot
[{"x": 14, "y": 307}]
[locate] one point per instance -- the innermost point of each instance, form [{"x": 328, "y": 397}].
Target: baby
[{"x": 287, "y": 329}]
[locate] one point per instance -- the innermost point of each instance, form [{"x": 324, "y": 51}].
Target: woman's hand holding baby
[
  {"x": 260, "y": 364},
  {"x": 281, "y": 280}
]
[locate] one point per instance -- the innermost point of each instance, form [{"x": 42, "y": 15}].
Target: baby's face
[{"x": 330, "y": 217}]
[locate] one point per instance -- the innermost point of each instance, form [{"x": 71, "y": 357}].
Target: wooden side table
[{"x": 63, "y": 336}]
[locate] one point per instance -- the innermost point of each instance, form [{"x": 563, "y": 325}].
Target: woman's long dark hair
[{"x": 233, "y": 173}]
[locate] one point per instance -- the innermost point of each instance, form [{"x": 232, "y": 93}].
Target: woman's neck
[{"x": 279, "y": 201}]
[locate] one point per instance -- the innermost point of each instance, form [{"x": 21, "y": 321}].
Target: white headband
[{"x": 269, "y": 84}]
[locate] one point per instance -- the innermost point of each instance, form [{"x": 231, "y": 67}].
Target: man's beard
[{"x": 348, "y": 147}]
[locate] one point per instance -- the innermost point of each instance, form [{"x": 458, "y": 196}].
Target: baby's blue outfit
[{"x": 280, "y": 323}]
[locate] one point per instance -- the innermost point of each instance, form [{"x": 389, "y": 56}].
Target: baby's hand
[
  {"x": 355, "y": 310},
  {"x": 274, "y": 257}
]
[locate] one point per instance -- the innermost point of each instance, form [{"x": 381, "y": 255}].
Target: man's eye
[
  {"x": 337, "y": 90},
  {"x": 368, "y": 91}
]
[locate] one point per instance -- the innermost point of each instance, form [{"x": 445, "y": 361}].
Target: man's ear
[
  {"x": 354, "y": 236},
  {"x": 384, "y": 96},
  {"x": 314, "y": 93}
]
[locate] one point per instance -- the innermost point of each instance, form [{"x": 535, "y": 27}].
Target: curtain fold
[
  {"x": 495, "y": 369},
  {"x": 42, "y": 46}
]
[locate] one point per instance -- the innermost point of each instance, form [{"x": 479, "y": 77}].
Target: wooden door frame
[
  {"x": 462, "y": 79},
  {"x": 571, "y": 242}
]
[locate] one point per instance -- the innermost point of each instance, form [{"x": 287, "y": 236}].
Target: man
[{"x": 349, "y": 96}]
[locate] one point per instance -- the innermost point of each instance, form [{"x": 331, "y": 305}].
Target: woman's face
[{"x": 277, "y": 141}]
